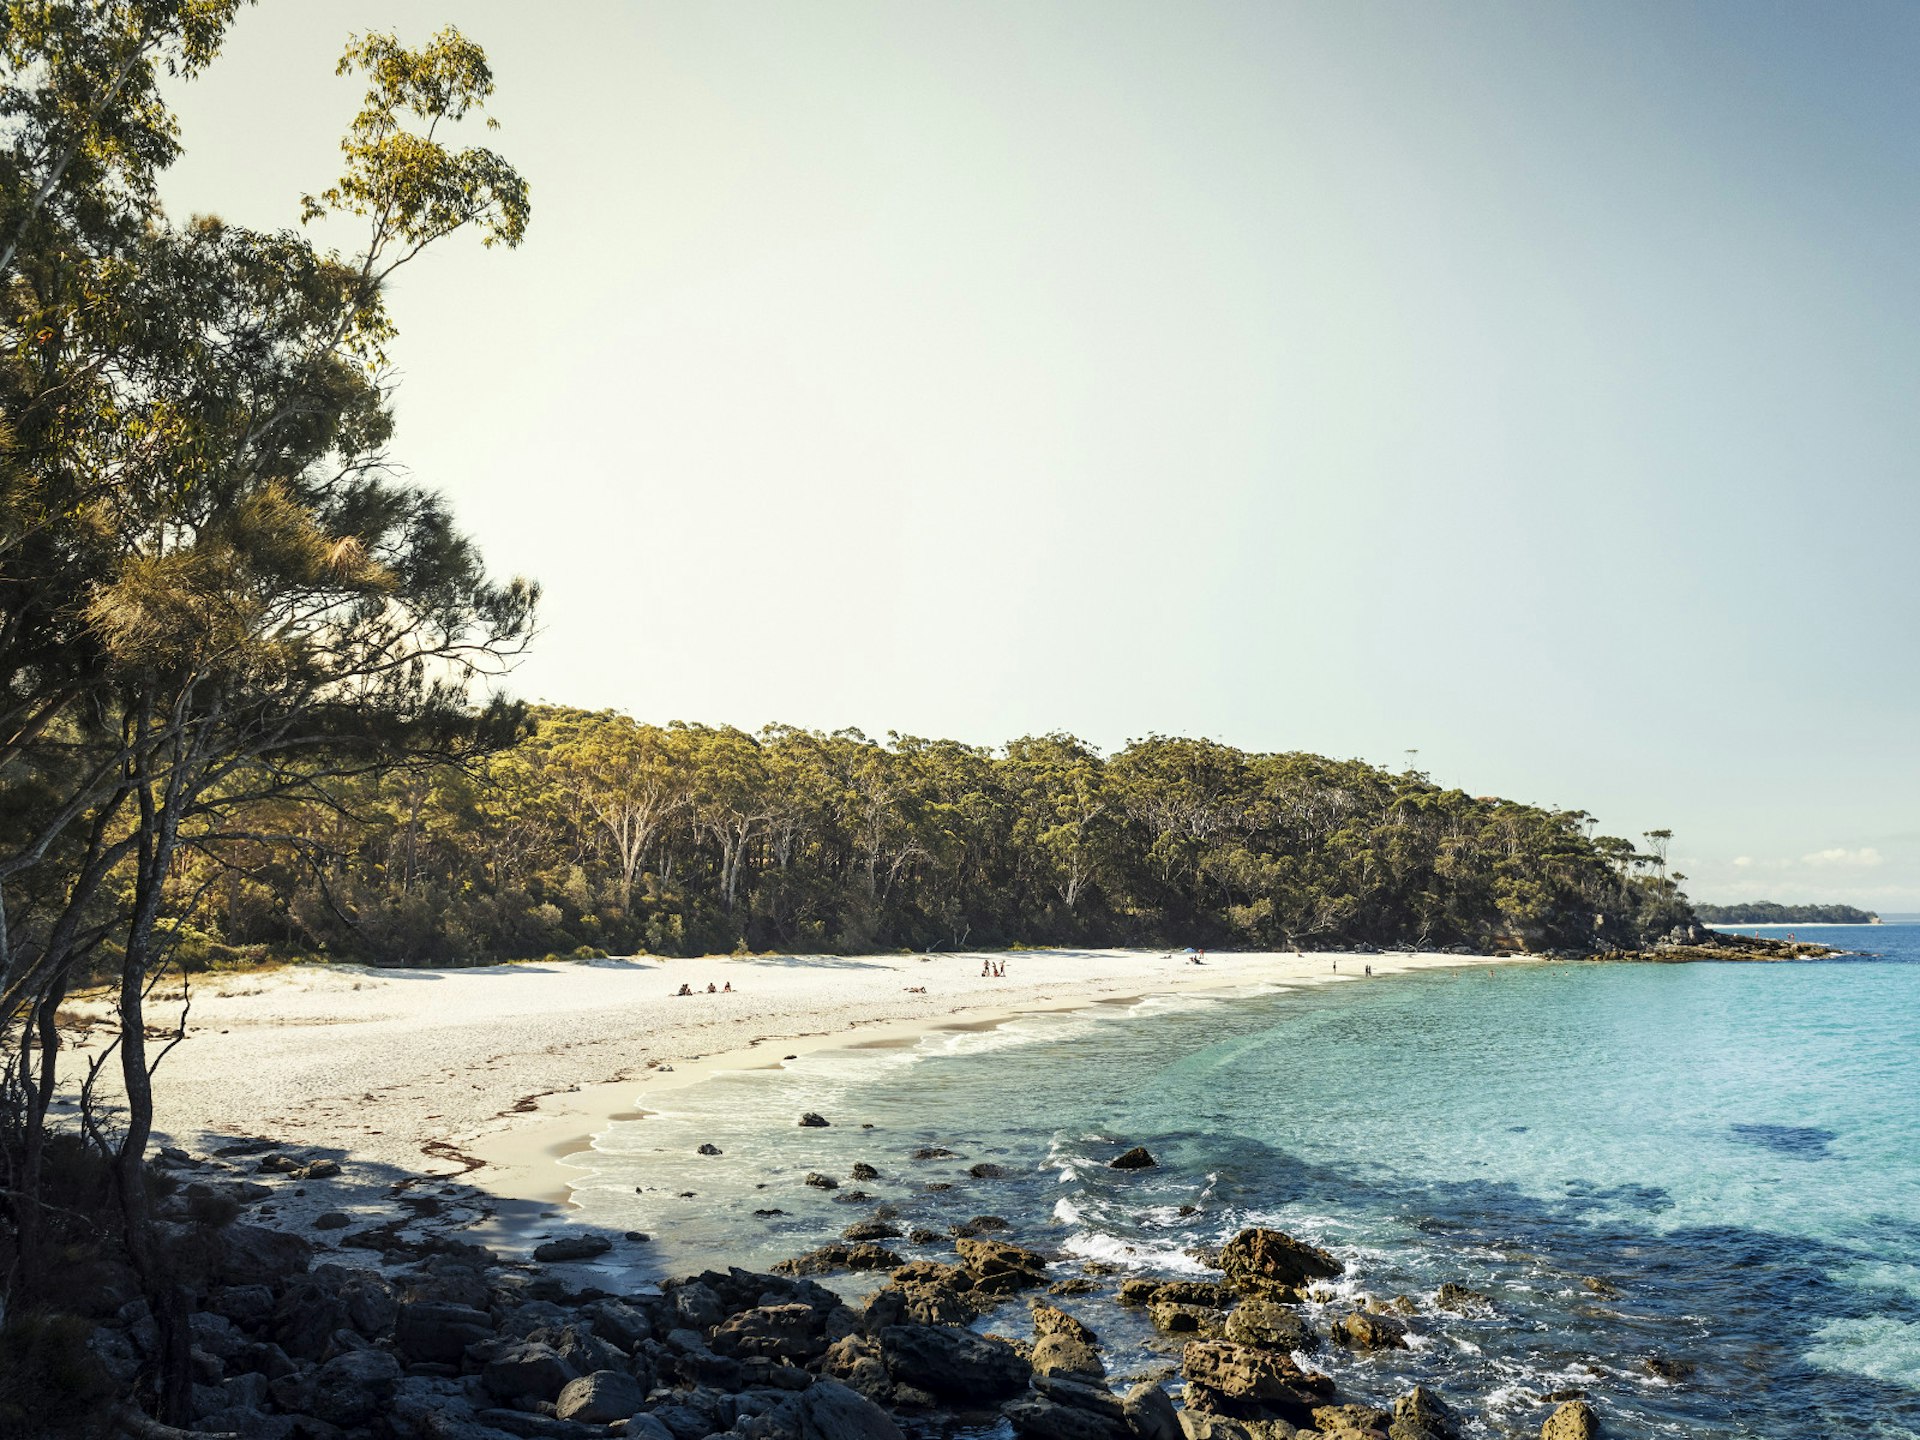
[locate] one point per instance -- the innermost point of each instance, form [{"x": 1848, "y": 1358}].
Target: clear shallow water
[{"x": 1731, "y": 1150}]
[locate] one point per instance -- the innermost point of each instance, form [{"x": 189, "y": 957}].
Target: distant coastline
[{"x": 1767, "y": 912}]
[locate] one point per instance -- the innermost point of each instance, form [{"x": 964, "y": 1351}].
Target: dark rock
[
  {"x": 856, "y": 1360},
  {"x": 576, "y": 1344},
  {"x": 1135, "y": 1159},
  {"x": 600, "y": 1398},
  {"x": 864, "y": 1171},
  {"x": 1273, "y": 1265},
  {"x": 829, "y": 1258},
  {"x": 932, "y": 1152},
  {"x": 1048, "y": 1419},
  {"x": 306, "y": 1319},
  {"x": 708, "y": 1149},
  {"x": 828, "y": 1410},
  {"x": 349, "y": 1389},
  {"x": 1575, "y": 1420},
  {"x": 814, "y": 1122},
  {"x": 248, "y": 1306},
  {"x": 1605, "y": 1289},
  {"x": 781, "y": 1332},
  {"x": 572, "y": 1247},
  {"x": 821, "y": 1182},
  {"x": 699, "y": 1305},
  {"x": 318, "y": 1170},
  {"x": 439, "y": 1333},
  {"x": 870, "y": 1230},
  {"x": 953, "y": 1364},
  {"x": 1150, "y": 1414},
  {"x": 277, "y": 1164},
  {"x": 979, "y": 1225},
  {"x": 522, "y": 1369},
  {"x": 1668, "y": 1368},
  {"x": 1461, "y": 1300},
  {"x": 1270, "y": 1326},
  {"x": 255, "y": 1255},
  {"x": 1138, "y": 1292},
  {"x": 625, "y": 1325},
  {"x": 987, "y": 1170},
  {"x": 923, "y": 1293},
  {"x": 332, "y": 1220},
  {"x": 1194, "y": 1292},
  {"x": 1361, "y": 1331}
]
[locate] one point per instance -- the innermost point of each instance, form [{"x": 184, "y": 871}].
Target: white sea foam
[{"x": 1879, "y": 1347}]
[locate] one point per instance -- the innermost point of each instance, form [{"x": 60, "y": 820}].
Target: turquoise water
[{"x": 1728, "y": 1151}]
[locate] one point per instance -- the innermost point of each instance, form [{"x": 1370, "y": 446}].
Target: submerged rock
[
  {"x": 1422, "y": 1415},
  {"x": 811, "y": 1121},
  {"x": 1138, "y": 1158},
  {"x": 1461, "y": 1300},
  {"x": 1362, "y": 1331},
  {"x": 572, "y": 1247}
]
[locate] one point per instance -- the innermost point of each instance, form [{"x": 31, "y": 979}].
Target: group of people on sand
[
  {"x": 990, "y": 971},
  {"x": 686, "y": 989}
]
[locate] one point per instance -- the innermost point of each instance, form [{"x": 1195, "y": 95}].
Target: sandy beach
[{"x": 492, "y": 1074}]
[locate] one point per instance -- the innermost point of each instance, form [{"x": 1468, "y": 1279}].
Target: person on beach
[
  {"x": 727, "y": 989},
  {"x": 986, "y": 969},
  {"x": 710, "y": 989},
  {"x": 685, "y": 989}
]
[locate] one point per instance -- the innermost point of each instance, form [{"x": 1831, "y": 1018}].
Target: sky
[{"x": 1533, "y": 387}]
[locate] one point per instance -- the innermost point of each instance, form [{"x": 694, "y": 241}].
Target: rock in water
[
  {"x": 1270, "y": 1326},
  {"x": 708, "y": 1149},
  {"x": 864, "y": 1171},
  {"x": 1361, "y": 1331},
  {"x": 601, "y": 1398},
  {"x": 812, "y": 1121},
  {"x": 573, "y": 1247},
  {"x": 821, "y": 1182},
  {"x": 1422, "y": 1415},
  {"x": 1273, "y": 1265},
  {"x": 1135, "y": 1159},
  {"x": 1575, "y": 1420}
]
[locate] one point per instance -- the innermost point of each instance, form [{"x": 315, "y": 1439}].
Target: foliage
[
  {"x": 1766, "y": 912},
  {"x": 602, "y": 831}
]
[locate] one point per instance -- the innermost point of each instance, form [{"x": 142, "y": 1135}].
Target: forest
[
  {"x": 596, "y": 832},
  {"x": 1766, "y": 912}
]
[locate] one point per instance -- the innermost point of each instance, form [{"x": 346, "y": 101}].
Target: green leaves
[{"x": 410, "y": 185}]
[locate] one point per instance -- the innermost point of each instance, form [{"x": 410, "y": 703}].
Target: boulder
[
  {"x": 708, "y": 1149},
  {"x": 1575, "y": 1420},
  {"x": 1052, "y": 1320},
  {"x": 600, "y": 1398},
  {"x": 1194, "y": 1292},
  {"x": 1247, "y": 1377},
  {"x": 625, "y": 1325},
  {"x": 856, "y": 1360},
  {"x": 820, "y": 1182},
  {"x": 871, "y": 1230},
  {"x": 1422, "y": 1415},
  {"x": 1271, "y": 1326},
  {"x": 987, "y": 1170},
  {"x": 1150, "y": 1414},
  {"x": 812, "y": 1121},
  {"x": 999, "y": 1268},
  {"x": 1191, "y": 1320},
  {"x": 1137, "y": 1158},
  {"x": 864, "y": 1171},
  {"x": 828, "y": 1410},
  {"x": 522, "y": 1370},
  {"x": 953, "y": 1364},
  {"x": 829, "y": 1258},
  {"x": 1200, "y": 1425},
  {"x": 1049, "y": 1419},
  {"x": 349, "y": 1389},
  {"x": 1063, "y": 1354},
  {"x": 1273, "y": 1265},
  {"x": 780, "y": 1332},
  {"x": 1351, "y": 1422},
  {"x": 572, "y": 1247},
  {"x": 1138, "y": 1292},
  {"x": 255, "y": 1255},
  {"x": 1362, "y": 1331}
]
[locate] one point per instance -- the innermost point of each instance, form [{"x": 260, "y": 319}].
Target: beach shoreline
[{"x": 489, "y": 1078}]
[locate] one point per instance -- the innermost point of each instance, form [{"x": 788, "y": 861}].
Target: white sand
[{"x": 509, "y": 1067}]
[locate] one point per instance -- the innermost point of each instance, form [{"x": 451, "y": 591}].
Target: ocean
[{"x": 1691, "y": 1191}]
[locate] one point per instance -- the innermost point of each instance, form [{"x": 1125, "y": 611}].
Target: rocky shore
[{"x": 392, "y": 1331}]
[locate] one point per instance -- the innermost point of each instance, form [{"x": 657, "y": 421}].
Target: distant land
[{"x": 1765, "y": 912}]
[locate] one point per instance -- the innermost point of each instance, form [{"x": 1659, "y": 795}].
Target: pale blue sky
[{"x": 1531, "y": 384}]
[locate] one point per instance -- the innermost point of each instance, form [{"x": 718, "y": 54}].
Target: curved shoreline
[{"x": 527, "y": 1160}]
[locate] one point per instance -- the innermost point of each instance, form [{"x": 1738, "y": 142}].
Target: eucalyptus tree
[{"x": 254, "y": 605}]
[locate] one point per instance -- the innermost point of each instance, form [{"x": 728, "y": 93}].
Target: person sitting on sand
[
  {"x": 710, "y": 989},
  {"x": 685, "y": 989},
  {"x": 727, "y": 989},
  {"x": 986, "y": 969}
]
